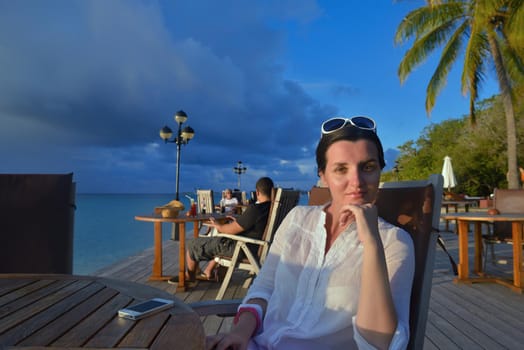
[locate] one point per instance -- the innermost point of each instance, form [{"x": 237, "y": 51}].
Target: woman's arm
[
  {"x": 376, "y": 318},
  {"x": 247, "y": 323},
  {"x": 258, "y": 293}
]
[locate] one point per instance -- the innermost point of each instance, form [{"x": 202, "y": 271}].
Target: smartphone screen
[
  {"x": 145, "y": 308},
  {"x": 148, "y": 305}
]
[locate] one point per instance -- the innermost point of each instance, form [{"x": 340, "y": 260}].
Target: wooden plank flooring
[{"x": 461, "y": 316}]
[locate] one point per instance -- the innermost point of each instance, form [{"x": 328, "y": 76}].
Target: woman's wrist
[{"x": 251, "y": 314}]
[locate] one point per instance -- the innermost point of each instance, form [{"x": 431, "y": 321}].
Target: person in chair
[
  {"x": 228, "y": 203},
  {"x": 337, "y": 276},
  {"x": 251, "y": 224}
]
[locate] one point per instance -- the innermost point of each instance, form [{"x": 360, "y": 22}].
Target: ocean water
[{"x": 106, "y": 232}]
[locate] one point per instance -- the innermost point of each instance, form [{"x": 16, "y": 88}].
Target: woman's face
[{"x": 352, "y": 172}]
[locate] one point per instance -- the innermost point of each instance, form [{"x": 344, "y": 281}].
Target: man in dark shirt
[{"x": 250, "y": 224}]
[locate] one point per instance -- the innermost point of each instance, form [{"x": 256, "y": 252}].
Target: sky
[{"x": 86, "y": 86}]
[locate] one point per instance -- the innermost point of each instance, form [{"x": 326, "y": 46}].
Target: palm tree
[{"x": 488, "y": 33}]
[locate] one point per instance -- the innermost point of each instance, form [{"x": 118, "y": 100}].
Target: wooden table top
[
  {"x": 180, "y": 218},
  {"x": 483, "y": 216},
  {"x": 68, "y": 311},
  {"x": 464, "y": 202}
]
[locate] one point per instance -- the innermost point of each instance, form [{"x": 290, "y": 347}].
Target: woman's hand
[
  {"x": 366, "y": 218},
  {"x": 226, "y": 341},
  {"x": 243, "y": 328}
]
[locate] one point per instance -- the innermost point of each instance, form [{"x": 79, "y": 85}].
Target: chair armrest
[
  {"x": 222, "y": 308},
  {"x": 241, "y": 238}
]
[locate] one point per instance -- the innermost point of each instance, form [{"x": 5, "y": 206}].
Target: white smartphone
[{"x": 145, "y": 308}]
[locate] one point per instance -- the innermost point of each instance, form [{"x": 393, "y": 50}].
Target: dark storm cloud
[{"x": 86, "y": 86}]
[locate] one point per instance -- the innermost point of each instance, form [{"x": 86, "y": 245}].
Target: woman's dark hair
[{"x": 347, "y": 133}]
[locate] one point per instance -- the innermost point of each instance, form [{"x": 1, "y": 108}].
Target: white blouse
[
  {"x": 313, "y": 297},
  {"x": 229, "y": 204}
]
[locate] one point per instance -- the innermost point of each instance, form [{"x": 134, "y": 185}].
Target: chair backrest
[
  {"x": 238, "y": 195},
  {"x": 36, "y": 223},
  {"x": 507, "y": 202},
  {"x": 252, "y": 197},
  {"x": 282, "y": 201},
  {"x": 415, "y": 207},
  {"x": 319, "y": 195},
  {"x": 205, "y": 200}
]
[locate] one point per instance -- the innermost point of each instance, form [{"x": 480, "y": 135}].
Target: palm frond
[
  {"x": 476, "y": 55},
  {"x": 475, "y": 58},
  {"x": 515, "y": 25},
  {"x": 420, "y": 21},
  {"x": 422, "y": 48},
  {"x": 514, "y": 62},
  {"x": 448, "y": 57},
  {"x": 500, "y": 64}
]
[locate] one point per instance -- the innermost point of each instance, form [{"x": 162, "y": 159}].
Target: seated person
[
  {"x": 228, "y": 202},
  {"x": 337, "y": 276},
  {"x": 251, "y": 223}
]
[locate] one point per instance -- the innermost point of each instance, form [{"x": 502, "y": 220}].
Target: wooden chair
[
  {"x": 319, "y": 195},
  {"x": 238, "y": 195},
  {"x": 205, "y": 202},
  {"x": 282, "y": 201},
  {"x": 506, "y": 202},
  {"x": 414, "y": 206},
  {"x": 36, "y": 223}
]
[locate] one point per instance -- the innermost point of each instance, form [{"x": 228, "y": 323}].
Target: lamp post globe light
[
  {"x": 239, "y": 169},
  {"x": 182, "y": 137}
]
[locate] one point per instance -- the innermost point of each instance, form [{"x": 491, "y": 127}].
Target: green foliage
[
  {"x": 485, "y": 33},
  {"x": 478, "y": 153}
]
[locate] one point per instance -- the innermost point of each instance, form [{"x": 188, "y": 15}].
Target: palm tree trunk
[{"x": 511, "y": 129}]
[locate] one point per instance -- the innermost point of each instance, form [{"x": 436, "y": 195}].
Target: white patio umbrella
[{"x": 447, "y": 173}]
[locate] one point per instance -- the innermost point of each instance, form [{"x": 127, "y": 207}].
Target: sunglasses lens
[
  {"x": 363, "y": 122},
  {"x": 333, "y": 124}
]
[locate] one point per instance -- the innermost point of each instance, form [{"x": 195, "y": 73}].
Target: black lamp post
[
  {"x": 182, "y": 137},
  {"x": 239, "y": 169},
  {"x": 396, "y": 170}
]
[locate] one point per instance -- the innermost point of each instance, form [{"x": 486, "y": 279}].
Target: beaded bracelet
[{"x": 255, "y": 310}]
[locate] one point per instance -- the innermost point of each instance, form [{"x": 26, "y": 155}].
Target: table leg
[
  {"x": 478, "y": 248},
  {"x": 157, "y": 263},
  {"x": 446, "y": 207},
  {"x": 456, "y": 208},
  {"x": 182, "y": 258},
  {"x": 196, "y": 229},
  {"x": 518, "y": 270},
  {"x": 463, "y": 265}
]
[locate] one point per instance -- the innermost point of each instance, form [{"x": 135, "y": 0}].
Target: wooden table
[
  {"x": 456, "y": 205},
  {"x": 477, "y": 218},
  {"x": 181, "y": 220},
  {"x": 73, "y": 312}
]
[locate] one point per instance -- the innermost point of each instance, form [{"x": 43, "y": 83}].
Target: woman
[
  {"x": 229, "y": 203},
  {"x": 337, "y": 276}
]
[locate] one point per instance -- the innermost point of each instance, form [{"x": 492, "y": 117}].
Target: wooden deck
[{"x": 461, "y": 316}]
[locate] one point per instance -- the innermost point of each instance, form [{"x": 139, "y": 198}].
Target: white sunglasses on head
[{"x": 337, "y": 123}]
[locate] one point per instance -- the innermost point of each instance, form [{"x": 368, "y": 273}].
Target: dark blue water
[{"x": 106, "y": 231}]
